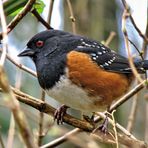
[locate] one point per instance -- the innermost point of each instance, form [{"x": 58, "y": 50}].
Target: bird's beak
[{"x": 27, "y": 52}]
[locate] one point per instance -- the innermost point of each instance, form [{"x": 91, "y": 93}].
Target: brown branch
[
  {"x": 128, "y": 95},
  {"x": 73, "y": 20},
  {"x": 50, "y": 11},
  {"x": 146, "y": 122},
  {"x": 41, "y": 121},
  {"x": 133, "y": 22},
  {"x": 11, "y": 132},
  {"x": 4, "y": 34},
  {"x": 110, "y": 38},
  {"x": 132, "y": 114},
  {"x": 40, "y": 19},
  {"x": 20, "y": 66},
  {"x": 138, "y": 30},
  {"x": 19, "y": 116},
  {"x": 61, "y": 139},
  {"x": 124, "y": 140},
  {"x": 19, "y": 16},
  {"x": 42, "y": 106},
  {"x": 1, "y": 142},
  {"x": 130, "y": 58},
  {"x": 46, "y": 108}
]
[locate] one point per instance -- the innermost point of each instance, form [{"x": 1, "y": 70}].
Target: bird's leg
[
  {"x": 104, "y": 126},
  {"x": 59, "y": 113}
]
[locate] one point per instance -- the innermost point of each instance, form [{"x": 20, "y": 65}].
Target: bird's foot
[
  {"x": 59, "y": 114},
  {"x": 103, "y": 127}
]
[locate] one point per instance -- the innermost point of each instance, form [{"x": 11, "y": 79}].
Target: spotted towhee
[{"x": 79, "y": 72}]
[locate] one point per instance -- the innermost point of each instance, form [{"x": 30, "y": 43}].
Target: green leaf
[
  {"x": 16, "y": 12},
  {"x": 39, "y": 6},
  {"x": 12, "y": 7}
]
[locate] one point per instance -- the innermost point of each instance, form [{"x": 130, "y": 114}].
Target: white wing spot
[
  {"x": 106, "y": 64},
  {"x": 99, "y": 53},
  {"x": 93, "y": 46},
  {"x": 94, "y": 58}
]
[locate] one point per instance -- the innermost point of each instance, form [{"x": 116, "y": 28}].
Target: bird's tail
[
  {"x": 145, "y": 64},
  {"x": 141, "y": 65}
]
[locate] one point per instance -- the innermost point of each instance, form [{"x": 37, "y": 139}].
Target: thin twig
[
  {"x": 133, "y": 22},
  {"x": 103, "y": 116},
  {"x": 132, "y": 115},
  {"x": 20, "y": 66},
  {"x": 50, "y": 11},
  {"x": 41, "y": 121},
  {"x": 40, "y": 19},
  {"x": 146, "y": 106},
  {"x": 4, "y": 34},
  {"x": 134, "y": 70},
  {"x": 110, "y": 38},
  {"x": 140, "y": 53},
  {"x": 115, "y": 129},
  {"x": 73, "y": 20},
  {"x": 19, "y": 116},
  {"x": 62, "y": 139},
  {"x": 8, "y": 95},
  {"x": 19, "y": 16},
  {"x": 11, "y": 133},
  {"x": 128, "y": 95},
  {"x": 1, "y": 142},
  {"x": 146, "y": 122}
]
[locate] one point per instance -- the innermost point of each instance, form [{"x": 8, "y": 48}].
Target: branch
[
  {"x": 40, "y": 19},
  {"x": 73, "y": 20},
  {"x": 44, "y": 107},
  {"x": 133, "y": 22},
  {"x": 50, "y": 11},
  {"x": 19, "y": 116},
  {"x": 1, "y": 141},
  {"x": 130, "y": 58},
  {"x": 20, "y": 66},
  {"x": 132, "y": 114},
  {"x": 41, "y": 121},
  {"x": 19, "y": 16},
  {"x": 110, "y": 38},
  {"x": 4, "y": 34}
]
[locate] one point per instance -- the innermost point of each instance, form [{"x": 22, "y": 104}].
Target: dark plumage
[{"x": 50, "y": 59}]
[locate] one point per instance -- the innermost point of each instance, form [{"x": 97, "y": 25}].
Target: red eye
[{"x": 39, "y": 43}]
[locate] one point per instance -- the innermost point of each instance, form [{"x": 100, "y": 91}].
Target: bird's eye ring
[{"x": 39, "y": 43}]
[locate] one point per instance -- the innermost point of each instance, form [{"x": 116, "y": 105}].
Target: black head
[
  {"x": 48, "y": 50},
  {"x": 43, "y": 42}
]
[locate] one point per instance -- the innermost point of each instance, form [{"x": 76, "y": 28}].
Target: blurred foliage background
[{"x": 94, "y": 19}]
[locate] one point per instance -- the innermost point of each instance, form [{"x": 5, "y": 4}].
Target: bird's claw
[
  {"x": 59, "y": 114},
  {"x": 103, "y": 127}
]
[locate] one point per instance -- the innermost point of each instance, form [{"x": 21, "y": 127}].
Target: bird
[{"x": 79, "y": 72}]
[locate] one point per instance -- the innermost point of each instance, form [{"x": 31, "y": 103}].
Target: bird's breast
[{"x": 74, "y": 96}]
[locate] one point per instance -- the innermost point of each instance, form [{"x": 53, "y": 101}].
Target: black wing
[{"x": 107, "y": 58}]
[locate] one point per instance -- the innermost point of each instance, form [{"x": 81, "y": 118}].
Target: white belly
[{"x": 73, "y": 96}]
